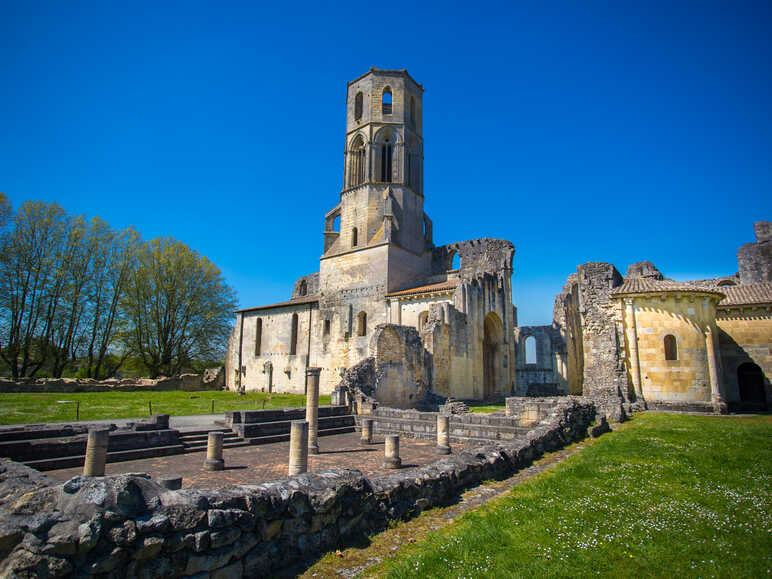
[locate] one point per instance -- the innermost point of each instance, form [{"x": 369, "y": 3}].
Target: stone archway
[
  {"x": 493, "y": 335},
  {"x": 750, "y": 380}
]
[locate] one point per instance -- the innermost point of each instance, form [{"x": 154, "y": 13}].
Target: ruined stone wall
[
  {"x": 754, "y": 260},
  {"x": 210, "y": 379},
  {"x": 590, "y": 323},
  {"x": 545, "y": 375},
  {"x": 128, "y": 526},
  {"x": 402, "y": 366}
]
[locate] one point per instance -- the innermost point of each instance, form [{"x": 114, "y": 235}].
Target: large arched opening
[
  {"x": 493, "y": 335},
  {"x": 750, "y": 380}
]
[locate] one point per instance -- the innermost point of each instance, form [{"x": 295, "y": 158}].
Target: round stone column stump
[
  {"x": 96, "y": 452},
  {"x": 443, "y": 434},
  {"x": 392, "y": 459},
  {"x": 172, "y": 482},
  {"x": 214, "y": 460},
  {"x": 312, "y": 408},
  {"x": 367, "y": 432},
  {"x": 298, "y": 457}
]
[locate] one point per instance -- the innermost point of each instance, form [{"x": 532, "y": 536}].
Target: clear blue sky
[{"x": 580, "y": 131}]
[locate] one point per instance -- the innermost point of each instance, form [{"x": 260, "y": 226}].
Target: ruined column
[
  {"x": 443, "y": 434},
  {"x": 367, "y": 432},
  {"x": 632, "y": 344},
  {"x": 716, "y": 397},
  {"x": 392, "y": 459},
  {"x": 172, "y": 482},
  {"x": 214, "y": 459},
  {"x": 298, "y": 458},
  {"x": 96, "y": 452},
  {"x": 312, "y": 409}
]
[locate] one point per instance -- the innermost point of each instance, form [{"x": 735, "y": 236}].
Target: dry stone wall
[
  {"x": 129, "y": 526},
  {"x": 212, "y": 379}
]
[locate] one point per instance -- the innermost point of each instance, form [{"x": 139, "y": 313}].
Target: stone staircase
[{"x": 196, "y": 440}]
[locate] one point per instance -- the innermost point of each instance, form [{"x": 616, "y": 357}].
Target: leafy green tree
[{"x": 178, "y": 307}]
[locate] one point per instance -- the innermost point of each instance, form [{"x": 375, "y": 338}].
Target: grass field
[
  {"x": 663, "y": 496},
  {"x": 487, "y": 408},
  {"x": 20, "y": 408}
]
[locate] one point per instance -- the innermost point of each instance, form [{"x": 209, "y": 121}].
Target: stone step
[
  {"x": 285, "y": 437},
  {"x": 117, "y": 456},
  {"x": 263, "y": 429},
  {"x": 458, "y": 430},
  {"x": 201, "y": 447}
]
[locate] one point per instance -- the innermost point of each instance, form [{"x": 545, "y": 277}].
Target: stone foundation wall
[
  {"x": 128, "y": 526},
  {"x": 213, "y": 379}
]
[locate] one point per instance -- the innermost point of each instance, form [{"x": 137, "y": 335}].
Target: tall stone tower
[{"x": 377, "y": 239}]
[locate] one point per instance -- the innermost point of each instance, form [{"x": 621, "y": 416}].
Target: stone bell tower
[{"x": 382, "y": 196}]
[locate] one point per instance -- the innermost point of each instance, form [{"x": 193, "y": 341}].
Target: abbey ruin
[{"x": 392, "y": 320}]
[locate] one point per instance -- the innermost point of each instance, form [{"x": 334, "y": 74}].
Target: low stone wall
[
  {"x": 213, "y": 379},
  {"x": 128, "y": 526},
  {"x": 466, "y": 427}
]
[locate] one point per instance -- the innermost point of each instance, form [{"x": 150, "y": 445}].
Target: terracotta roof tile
[
  {"x": 643, "y": 285},
  {"x": 424, "y": 289},
  {"x": 756, "y": 293}
]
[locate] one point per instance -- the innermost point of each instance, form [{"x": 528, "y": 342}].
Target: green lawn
[
  {"x": 19, "y": 408},
  {"x": 664, "y": 496},
  {"x": 487, "y": 408}
]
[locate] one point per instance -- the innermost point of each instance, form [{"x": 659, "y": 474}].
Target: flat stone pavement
[{"x": 266, "y": 462}]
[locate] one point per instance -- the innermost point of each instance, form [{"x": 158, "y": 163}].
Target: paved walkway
[{"x": 260, "y": 463}]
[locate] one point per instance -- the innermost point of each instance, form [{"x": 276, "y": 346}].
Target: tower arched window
[
  {"x": 386, "y": 101},
  {"x": 362, "y": 326},
  {"x": 294, "y": 335},
  {"x": 354, "y": 237},
  {"x": 671, "y": 347},
  {"x": 358, "y": 106},
  {"x": 357, "y": 162},
  {"x": 386, "y": 154},
  {"x": 258, "y": 336}
]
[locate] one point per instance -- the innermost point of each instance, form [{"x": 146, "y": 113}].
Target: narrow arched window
[
  {"x": 303, "y": 288},
  {"x": 671, "y": 347},
  {"x": 294, "y": 336},
  {"x": 258, "y": 336},
  {"x": 354, "y": 237},
  {"x": 386, "y": 101},
  {"x": 362, "y": 329},
  {"x": 358, "y": 106},
  {"x": 326, "y": 327},
  {"x": 357, "y": 162},
  {"x": 455, "y": 263},
  {"x": 386, "y": 150},
  {"x": 412, "y": 112},
  {"x": 530, "y": 350}
]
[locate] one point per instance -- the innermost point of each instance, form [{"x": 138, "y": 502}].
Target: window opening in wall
[
  {"x": 303, "y": 288},
  {"x": 412, "y": 112},
  {"x": 362, "y": 329},
  {"x": 386, "y": 101},
  {"x": 258, "y": 336},
  {"x": 336, "y": 223},
  {"x": 725, "y": 283},
  {"x": 386, "y": 162},
  {"x": 327, "y": 327},
  {"x": 358, "y": 106},
  {"x": 294, "y": 336},
  {"x": 423, "y": 317},
  {"x": 671, "y": 347},
  {"x": 455, "y": 263},
  {"x": 530, "y": 350},
  {"x": 354, "y": 237}
]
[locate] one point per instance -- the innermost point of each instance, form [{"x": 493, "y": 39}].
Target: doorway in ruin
[
  {"x": 750, "y": 380},
  {"x": 493, "y": 335}
]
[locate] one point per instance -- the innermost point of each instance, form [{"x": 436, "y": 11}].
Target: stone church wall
[
  {"x": 745, "y": 335},
  {"x": 755, "y": 259}
]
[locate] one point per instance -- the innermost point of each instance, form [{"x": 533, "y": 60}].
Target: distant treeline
[{"x": 79, "y": 298}]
